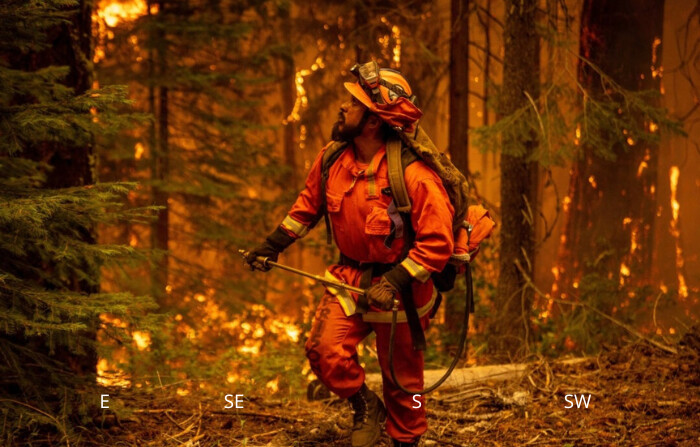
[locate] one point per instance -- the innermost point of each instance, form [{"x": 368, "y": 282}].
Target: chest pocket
[
  {"x": 333, "y": 201},
  {"x": 378, "y": 222}
]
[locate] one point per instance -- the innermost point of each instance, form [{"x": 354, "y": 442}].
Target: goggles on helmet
[{"x": 369, "y": 79}]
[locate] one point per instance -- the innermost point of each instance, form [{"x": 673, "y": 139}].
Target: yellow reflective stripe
[
  {"x": 385, "y": 317},
  {"x": 344, "y": 297},
  {"x": 371, "y": 187},
  {"x": 295, "y": 226},
  {"x": 416, "y": 270}
]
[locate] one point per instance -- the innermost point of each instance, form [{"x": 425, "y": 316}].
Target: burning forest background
[{"x": 143, "y": 142}]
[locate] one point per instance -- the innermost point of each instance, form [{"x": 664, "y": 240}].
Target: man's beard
[{"x": 347, "y": 133}]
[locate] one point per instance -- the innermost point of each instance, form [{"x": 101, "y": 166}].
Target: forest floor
[{"x": 639, "y": 396}]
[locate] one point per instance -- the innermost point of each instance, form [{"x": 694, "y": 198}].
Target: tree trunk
[
  {"x": 510, "y": 329},
  {"x": 160, "y": 230},
  {"x": 486, "y": 28},
  {"x": 612, "y": 203},
  {"x": 459, "y": 126},
  {"x": 459, "y": 85},
  {"x": 288, "y": 93},
  {"x": 295, "y": 254}
]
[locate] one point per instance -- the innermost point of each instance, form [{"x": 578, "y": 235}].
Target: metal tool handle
[{"x": 267, "y": 263}]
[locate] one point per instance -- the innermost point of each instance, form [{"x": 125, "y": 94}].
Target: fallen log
[{"x": 463, "y": 376}]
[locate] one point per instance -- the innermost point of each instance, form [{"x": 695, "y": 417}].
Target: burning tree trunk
[
  {"x": 518, "y": 181},
  {"x": 611, "y": 201},
  {"x": 459, "y": 126}
]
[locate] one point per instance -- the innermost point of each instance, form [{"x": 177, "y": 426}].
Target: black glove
[
  {"x": 399, "y": 278},
  {"x": 444, "y": 281},
  {"x": 274, "y": 244}
]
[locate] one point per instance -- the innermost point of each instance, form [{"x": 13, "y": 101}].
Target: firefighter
[{"x": 363, "y": 222}]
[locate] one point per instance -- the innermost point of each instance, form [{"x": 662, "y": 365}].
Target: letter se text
[{"x": 231, "y": 404}]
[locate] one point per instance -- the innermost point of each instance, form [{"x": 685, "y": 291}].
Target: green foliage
[
  {"x": 598, "y": 315},
  {"x": 52, "y": 112},
  {"x": 214, "y": 62},
  {"x": 568, "y": 116},
  {"x": 213, "y": 350},
  {"x": 25, "y": 23},
  {"x": 50, "y": 262}
]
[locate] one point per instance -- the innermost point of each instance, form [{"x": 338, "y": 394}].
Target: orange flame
[
  {"x": 591, "y": 180},
  {"x": 139, "y": 149},
  {"x": 115, "y": 12},
  {"x": 302, "y": 100},
  {"x": 109, "y": 375},
  {"x": 386, "y": 39},
  {"x": 566, "y": 203},
  {"x": 396, "y": 34},
  {"x": 655, "y": 72},
  {"x": 674, "y": 174},
  {"x": 110, "y": 13},
  {"x": 273, "y": 385},
  {"x": 142, "y": 340}
]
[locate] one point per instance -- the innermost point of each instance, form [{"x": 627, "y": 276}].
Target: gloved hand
[
  {"x": 383, "y": 292},
  {"x": 274, "y": 244},
  {"x": 444, "y": 281}
]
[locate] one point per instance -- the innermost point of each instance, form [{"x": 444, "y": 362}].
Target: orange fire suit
[{"x": 358, "y": 198}]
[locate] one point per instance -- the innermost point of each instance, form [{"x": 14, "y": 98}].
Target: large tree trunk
[
  {"x": 612, "y": 203},
  {"x": 510, "y": 329},
  {"x": 459, "y": 126}
]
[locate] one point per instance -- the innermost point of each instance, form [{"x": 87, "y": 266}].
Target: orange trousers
[{"x": 332, "y": 353}]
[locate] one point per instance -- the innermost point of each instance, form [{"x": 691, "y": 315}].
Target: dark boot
[
  {"x": 368, "y": 419},
  {"x": 406, "y": 444}
]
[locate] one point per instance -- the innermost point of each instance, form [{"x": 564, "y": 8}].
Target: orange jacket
[{"x": 357, "y": 198}]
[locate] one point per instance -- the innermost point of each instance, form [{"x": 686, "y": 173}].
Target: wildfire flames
[
  {"x": 674, "y": 174},
  {"x": 260, "y": 327},
  {"x": 302, "y": 100},
  {"x": 109, "y": 14},
  {"x": 386, "y": 40}
]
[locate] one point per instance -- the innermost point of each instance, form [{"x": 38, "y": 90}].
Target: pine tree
[
  {"x": 459, "y": 125},
  {"x": 50, "y": 208},
  {"x": 518, "y": 181},
  {"x": 205, "y": 72},
  {"x": 568, "y": 120}
]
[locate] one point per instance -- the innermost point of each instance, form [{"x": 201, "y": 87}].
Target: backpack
[{"x": 401, "y": 151}]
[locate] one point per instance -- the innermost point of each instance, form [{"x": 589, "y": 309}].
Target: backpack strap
[
  {"x": 398, "y": 158},
  {"x": 329, "y": 157},
  {"x": 396, "y": 179}
]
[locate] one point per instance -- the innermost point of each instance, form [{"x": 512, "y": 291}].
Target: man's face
[{"x": 350, "y": 120}]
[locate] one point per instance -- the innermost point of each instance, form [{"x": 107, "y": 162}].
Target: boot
[
  {"x": 368, "y": 419},
  {"x": 415, "y": 443}
]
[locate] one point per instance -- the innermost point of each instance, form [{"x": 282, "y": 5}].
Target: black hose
[{"x": 462, "y": 342}]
